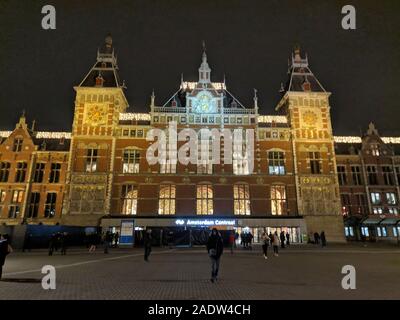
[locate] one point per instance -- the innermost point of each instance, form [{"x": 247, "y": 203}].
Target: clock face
[
  {"x": 204, "y": 103},
  {"x": 310, "y": 118},
  {"x": 96, "y": 114}
]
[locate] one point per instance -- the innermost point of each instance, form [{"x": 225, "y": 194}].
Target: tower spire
[{"x": 204, "y": 70}]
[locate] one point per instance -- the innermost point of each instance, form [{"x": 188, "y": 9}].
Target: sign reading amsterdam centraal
[{"x": 205, "y": 222}]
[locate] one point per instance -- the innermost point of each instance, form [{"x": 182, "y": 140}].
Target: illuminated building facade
[{"x": 98, "y": 174}]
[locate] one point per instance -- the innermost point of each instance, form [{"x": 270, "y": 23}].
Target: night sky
[{"x": 156, "y": 41}]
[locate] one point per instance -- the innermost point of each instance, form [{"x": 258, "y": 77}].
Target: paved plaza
[{"x": 300, "y": 272}]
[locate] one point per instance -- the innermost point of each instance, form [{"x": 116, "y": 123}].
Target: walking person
[
  {"x": 215, "y": 248},
  {"x": 236, "y": 239},
  {"x": 63, "y": 243},
  {"x": 52, "y": 244},
  {"x": 5, "y": 249},
  {"x": 107, "y": 241},
  {"x": 147, "y": 244},
  {"x": 27, "y": 243},
  {"x": 275, "y": 244},
  {"x": 116, "y": 239},
  {"x": 323, "y": 239},
  {"x": 316, "y": 238},
  {"x": 282, "y": 237},
  {"x": 271, "y": 238},
  {"x": 92, "y": 238},
  {"x": 287, "y": 239},
  {"x": 250, "y": 240},
  {"x": 232, "y": 241},
  {"x": 265, "y": 243}
]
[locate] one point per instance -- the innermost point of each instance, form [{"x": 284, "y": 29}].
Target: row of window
[
  {"x": 204, "y": 119},
  {"x": 379, "y": 232},
  {"x": 359, "y": 206},
  {"x": 372, "y": 175},
  {"x": 21, "y": 168},
  {"x": 17, "y": 198},
  {"x": 204, "y": 199}
]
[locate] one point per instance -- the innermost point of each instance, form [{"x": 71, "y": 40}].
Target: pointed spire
[
  {"x": 204, "y": 70},
  {"x": 33, "y": 125},
  {"x": 153, "y": 97},
  {"x": 282, "y": 89},
  {"x": 22, "y": 121},
  {"x": 255, "y": 99}
]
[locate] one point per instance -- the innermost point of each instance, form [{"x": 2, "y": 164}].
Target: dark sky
[{"x": 156, "y": 41}]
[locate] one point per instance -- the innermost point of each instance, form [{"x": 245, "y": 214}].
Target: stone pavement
[{"x": 300, "y": 272}]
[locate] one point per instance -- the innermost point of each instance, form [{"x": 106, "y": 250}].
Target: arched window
[
  {"x": 278, "y": 200},
  {"x": 129, "y": 199},
  {"x": 276, "y": 163},
  {"x": 204, "y": 198},
  {"x": 166, "y": 202},
  {"x": 241, "y": 200}
]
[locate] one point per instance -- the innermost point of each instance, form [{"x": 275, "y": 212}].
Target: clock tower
[
  {"x": 306, "y": 105},
  {"x": 99, "y": 100}
]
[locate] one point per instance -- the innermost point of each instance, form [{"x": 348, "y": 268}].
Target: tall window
[
  {"x": 129, "y": 199},
  {"x": 16, "y": 202},
  {"x": 398, "y": 174},
  {"x": 21, "y": 172},
  {"x": 388, "y": 175},
  {"x": 34, "y": 205},
  {"x": 55, "y": 173},
  {"x": 50, "y": 205},
  {"x": 345, "y": 199},
  {"x": 17, "y": 146},
  {"x": 204, "y": 160},
  {"x": 356, "y": 175},
  {"x": 276, "y": 163},
  {"x": 2, "y": 199},
  {"x": 204, "y": 199},
  {"x": 372, "y": 176},
  {"x": 391, "y": 198},
  {"x": 341, "y": 170},
  {"x": 375, "y": 150},
  {"x": 166, "y": 204},
  {"x": 168, "y": 164},
  {"x": 376, "y": 198},
  {"x": 240, "y": 157},
  {"x": 315, "y": 162},
  {"x": 278, "y": 200},
  {"x": 39, "y": 172},
  {"x": 361, "y": 203},
  {"x": 4, "y": 171},
  {"x": 131, "y": 161},
  {"x": 241, "y": 200},
  {"x": 91, "y": 160}
]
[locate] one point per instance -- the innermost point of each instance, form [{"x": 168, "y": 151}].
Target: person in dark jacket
[
  {"x": 316, "y": 238},
  {"x": 215, "y": 248},
  {"x": 52, "y": 244},
  {"x": 287, "y": 239},
  {"x": 147, "y": 244},
  {"x": 323, "y": 239},
  {"x": 5, "y": 249},
  {"x": 107, "y": 241},
  {"x": 282, "y": 237},
  {"x": 63, "y": 243}
]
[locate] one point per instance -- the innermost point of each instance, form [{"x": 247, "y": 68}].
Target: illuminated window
[
  {"x": 50, "y": 205},
  {"x": 356, "y": 175},
  {"x": 361, "y": 203},
  {"x": 276, "y": 163},
  {"x": 345, "y": 199},
  {"x": 91, "y": 160},
  {"x": 381, "y": 231},
  {"x": 168, "y": 167},
  {"x": 376, "y": 198},
  {"x": 55, "y": 173},
  {"x": 375, "y": 150},
  {"x": 17, "y": 146},
  {"x": 2, "y": 199},
  {"x": 20, "y": 172},
  {"x": 341, "y": 170},
  {"x": 391, "y": 198},
  {"x": 241, "y": 196},
  {"x": 372, "y": 177},
  {"x": 39, "y": 172},
  {"x": 365, "y": 231},
  {"x": 396, "y": 231},
  {"x": 348, "y": 231},
  {"x": 4, "y": 171},
  {"x": 129, "y": 199},
  {"x": 278, "y": 200},
  {"x": 204, "y": 199},
  {"x": 131, "y": 161},
  {"x": 166, "y": 204},
  {"x": 16, "y": 202},
  {"x": 377, "y": 210},
  {"x": 315, "y": 162},
  {"x": 388, "y": 175},
  {"x": 34, "y": 205}
]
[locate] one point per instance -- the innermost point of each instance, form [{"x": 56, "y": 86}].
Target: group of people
[
  {"x": 5, "y": 249},
  {"x": 283, "y": 239},
  {"x": 108, "y": 239},
  {"x": 58, "y": 241},
  {"x": 246, "y": 239},
  {"x": 317, "y": 238}
]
